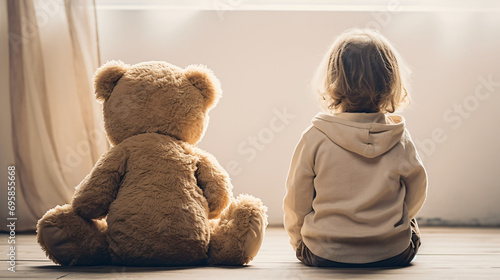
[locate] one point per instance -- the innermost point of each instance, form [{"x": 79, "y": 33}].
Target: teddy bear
[{"x": 155, "y": 198}]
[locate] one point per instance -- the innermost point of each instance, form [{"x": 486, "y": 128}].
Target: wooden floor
[{"x": 446, "y": 253}]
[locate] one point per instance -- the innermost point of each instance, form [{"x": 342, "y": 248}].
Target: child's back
[{"x": 356, "y": 181}]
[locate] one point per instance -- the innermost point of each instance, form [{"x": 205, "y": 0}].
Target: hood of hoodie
[{"x": 366, "y": 134}]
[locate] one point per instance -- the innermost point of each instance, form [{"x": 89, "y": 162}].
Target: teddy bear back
[{"x": 156, "y": 97}]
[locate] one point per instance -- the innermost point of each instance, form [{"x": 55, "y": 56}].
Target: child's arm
[
  {"x": 414, "y": 177},
  {"x": 96, "y": 192},
  {"x": 299, "y": 192},
  {"x": 215, "y": 183}
]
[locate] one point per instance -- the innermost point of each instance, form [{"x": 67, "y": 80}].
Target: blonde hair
[{"x": 362, "y": 72}]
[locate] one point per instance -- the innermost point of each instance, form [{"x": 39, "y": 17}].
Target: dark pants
[{"x": 307, "y": 257}]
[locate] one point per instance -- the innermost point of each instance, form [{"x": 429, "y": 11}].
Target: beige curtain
[{"x": 55, "y": 124}]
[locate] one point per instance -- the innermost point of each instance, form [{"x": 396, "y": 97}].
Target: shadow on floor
[{"x": 127, "y": 269}]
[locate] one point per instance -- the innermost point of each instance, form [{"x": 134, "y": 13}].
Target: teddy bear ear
[
  {"x": 106, "y": 77},
  {"x": 204, "y": 80}
]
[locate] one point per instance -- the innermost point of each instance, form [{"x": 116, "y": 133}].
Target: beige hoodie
[{"x": 354, "y": 183}]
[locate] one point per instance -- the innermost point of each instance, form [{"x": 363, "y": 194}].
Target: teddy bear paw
[
  {"x": 255, "y": 235},
  {"x": 57, "y": 247}
]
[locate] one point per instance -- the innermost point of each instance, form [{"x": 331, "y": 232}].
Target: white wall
[{"x": 265, "y": 60}]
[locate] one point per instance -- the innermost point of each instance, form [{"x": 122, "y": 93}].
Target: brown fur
[
  {"x": 148, "y": 200},
  {"x": 229, "y": 236}
]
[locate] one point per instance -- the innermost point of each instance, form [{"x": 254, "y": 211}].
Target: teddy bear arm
[
  {"x": 215, "y": 183},
  {"x": 96, "y": 192}
]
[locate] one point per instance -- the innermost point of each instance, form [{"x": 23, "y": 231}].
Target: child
[{"x": 356, "y": 181}]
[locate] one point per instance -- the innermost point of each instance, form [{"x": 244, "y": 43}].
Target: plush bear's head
[{"x": 156, "y": 97}]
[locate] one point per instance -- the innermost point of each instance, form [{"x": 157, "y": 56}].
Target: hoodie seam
[
  {"x": 369, "y": 126},
  {"x": 368, "y": 140},
  {"x": 356, "y": 124}
]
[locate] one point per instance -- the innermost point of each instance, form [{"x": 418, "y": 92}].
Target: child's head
[{"x": 362, "y": 72}]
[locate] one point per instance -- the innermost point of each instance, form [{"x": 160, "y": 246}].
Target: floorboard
[{"x": 446, "y": 253}]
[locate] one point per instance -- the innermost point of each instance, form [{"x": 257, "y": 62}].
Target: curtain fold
[
  {"x": 18, "y": 101},
  {"x": 57, "y": 131},
  {"x": 83, "y": 36}
]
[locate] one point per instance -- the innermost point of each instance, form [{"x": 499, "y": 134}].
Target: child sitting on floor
[{"x": 356, "y": 181}]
